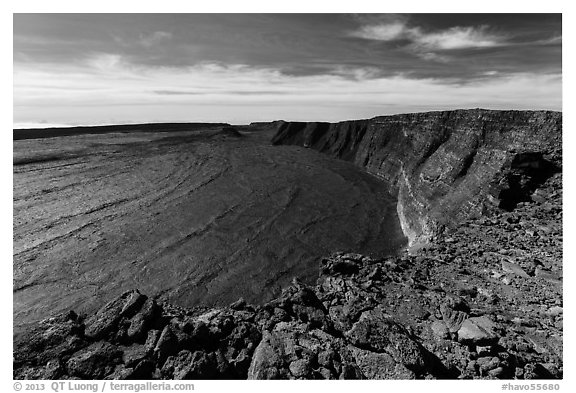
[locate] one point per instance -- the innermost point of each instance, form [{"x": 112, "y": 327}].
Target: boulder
[
  {"x": 167, "y": 344},
  {"x": 189, "y": 365},
  {"x": 380, "y": 365},
  {"x": 478, "y": 331},
  {"x": 50, "y": 339},
  {"x": 106, "y": 319},
  {"x": 95, "y": 361},
  {"x": 133, "y": 354},
  {"x": 300, "y": 368},
  {"x": 292, "y": 351},
  {"x": 440, "y": 329},
  {"x": 378, "y": 333},
  {"x": 454, "y": 311},
  {"x": 268, "y": 357},
  {"x": 121, "y": 372},
  {"x": 140, "y": 322},
  {"x": 152, "y": 339},
  {"x": 549, "y": 276},
  {"x": 513, "y": 268}
]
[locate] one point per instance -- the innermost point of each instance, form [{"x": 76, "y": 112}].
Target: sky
[{"x": 88, "y": 69}]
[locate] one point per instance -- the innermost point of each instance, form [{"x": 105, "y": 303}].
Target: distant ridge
[{"x": 36, "y": 133}]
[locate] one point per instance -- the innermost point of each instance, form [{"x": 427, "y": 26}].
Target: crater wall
[{"x": 443, "y": 166}]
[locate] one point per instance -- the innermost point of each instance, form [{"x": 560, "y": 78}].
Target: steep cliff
[{"x": 444, "y": 166}]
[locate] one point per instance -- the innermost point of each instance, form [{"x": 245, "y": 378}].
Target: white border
[{"x": 380, "y": 6}]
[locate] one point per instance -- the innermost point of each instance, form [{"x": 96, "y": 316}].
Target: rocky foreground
[{"x": 482, "y": 300}]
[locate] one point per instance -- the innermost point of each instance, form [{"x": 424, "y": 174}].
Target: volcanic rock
[
  {"x": 95, "y": 361},
  {"x": 478, "y": 331},
  {"x": 104, "y": 321}
]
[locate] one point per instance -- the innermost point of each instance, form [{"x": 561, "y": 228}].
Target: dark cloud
[{"x": 432, "y": 46}]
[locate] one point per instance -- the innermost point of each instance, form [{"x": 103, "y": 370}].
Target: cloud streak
[
  {"x": 149, "y": 40},
  {"x": 426, "y": 44},
  {"x": 239, "y": 93},
  {"x": 458, "y": 38}
]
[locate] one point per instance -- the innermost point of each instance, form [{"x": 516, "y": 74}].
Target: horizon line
[{"x": 53, "y": 126}]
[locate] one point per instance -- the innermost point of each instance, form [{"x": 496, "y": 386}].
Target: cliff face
[{"x": 444, "y": 166}]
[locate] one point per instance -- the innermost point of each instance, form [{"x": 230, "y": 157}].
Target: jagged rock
[
  {"x": 142, "y": 320},
  {"x": 300, "y": 368},
  {"x": 121, "y": 372},
  {"x": 497, "y": 372},
  {"x": 339, "y": 318},
  {"x": 334, "y": 285},
  {"x": 324, "y": 373},
  {"x": 355, "y": 306},
  {"x": 326, "y": 358},
  {"x": 315, "y": 317},
  {"x": 484, "y": 350},
  {"x": 513, "y": 268},
  {"x": 53, "y": 369},
  {"x": 268, "y": 357},
  {"x": 238, "y": 304},
  {"x": 241, "y": 362},
  {"x": 151, "y": 340},
  {"x": 350, "y": 371},
  {"x": 342, "y": 266},
  {"x": 167, "y": 343},
  {"x": 51, "y": 339},
  {"x": 187, "y": 365},
  {"x": 243, "y": 335},
  {"x": 104, "y": 321},
  {"x": 454, "y": 311},
  {"x": 95, "y": 361},
  {"x": 132, "y": 304},
  {"x": 133, "y": 354},
  {"x": 440, "y": 330},
  {"x": 144, "y": 370},
  {"x": 379, "y": 333},
  {"x": 224, "y": 370},
  {"x": 375, "y": 274},
  {"x": 535, "y": 371},
  {"x": 219, "y": 326},
  {"x": 290, "y": 349},
  {"x": 548, "y": 276},
  {"x": 485, "y": 364},
  {"x": 555, "y": 311},
  {"x": 245, "y": 315},
  {"x": 380, "y": 365},
  {"x": 478, "y": 331}
]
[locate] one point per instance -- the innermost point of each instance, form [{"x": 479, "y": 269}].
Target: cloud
[
  {"x": 556, "y": 40},
  {"x": 459, "y": 38},
  {"x": 109, "y": 89},
  {"x": 231, "y": 92},
  {"x": 431, "y": 56},
  {"x": 383, "y": 32},
  {"x": 149, "y": 40},
  {"x": 424, "y": 42},
  {"x": 104, "y": 61}
]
